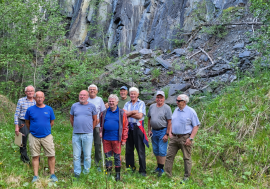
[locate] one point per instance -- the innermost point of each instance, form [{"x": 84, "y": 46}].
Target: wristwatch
[
  {"x": 191, "y": 139},
  {"x": 167, "y": 134}
]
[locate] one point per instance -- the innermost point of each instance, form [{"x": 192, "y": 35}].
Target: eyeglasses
[
  {"x": 179, "y": 100},
  {"x": 29, "y": 91}
]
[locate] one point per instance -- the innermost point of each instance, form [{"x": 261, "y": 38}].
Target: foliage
[
  {"x": 34, "y": 50},
  {"x": 230, "y": 150},
  {"x": 155, "y": 73}
]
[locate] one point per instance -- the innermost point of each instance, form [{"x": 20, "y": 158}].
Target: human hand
[
  {"x": 170, "y": 135},
  {"x": 150, "y": 134},
  {"x": 123, "y": 143},
  {"x": 165, "y": 138},
  {"x": 188, "y": 142}
]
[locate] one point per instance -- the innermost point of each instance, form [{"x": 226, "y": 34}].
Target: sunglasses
[{"x": 179, "y": 100}]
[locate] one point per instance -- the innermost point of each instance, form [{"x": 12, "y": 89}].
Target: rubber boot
[{"x": 117, "y": 171}]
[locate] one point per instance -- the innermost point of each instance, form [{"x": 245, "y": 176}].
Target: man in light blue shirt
[
  {"x": 185, "y": 124},
  {"x": 135, "y": 111}
]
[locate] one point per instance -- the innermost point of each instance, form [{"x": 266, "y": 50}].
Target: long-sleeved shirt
[{"x": 22, "y": 105}]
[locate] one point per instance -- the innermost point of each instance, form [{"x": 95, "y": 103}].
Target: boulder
[
  {"x": 179, "y": 52},
  {"x": 244, "y": 54},
  {"x": 194, "y": 92},
  {"x": 146, "y": 53},
  {"x": 163, "y": 62},
  {"x": 207, "y": 89},
  {"x": 239, "y": 45},
  {"x": 176, "y": 88},
  {"x": 133, "y": 55},
  {"x": 147, "y": 71},
  {"x": 171, "y": 100},
  {"x": 203, "y": 57}
]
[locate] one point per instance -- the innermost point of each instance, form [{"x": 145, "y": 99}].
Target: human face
[
  {"x": 123, "y": 93},
  {"x": 160, "y": 100},
  {"x": 134, "y": 96},
  {"x": 180, "y": 103},
  {"x": 83, "y": 96},
  {"x": 39, "y": 98},
  {"x": 113, "y": 103},
  {"x": 92, "y": 92},
  {"x": 30, "y": 91}
]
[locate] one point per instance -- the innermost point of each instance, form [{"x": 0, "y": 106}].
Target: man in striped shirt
[
  {"x": 135, "y": 111},
  {"x": 19, "y": 119}
]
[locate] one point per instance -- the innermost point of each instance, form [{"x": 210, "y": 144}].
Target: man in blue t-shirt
[
  {"x": 39, "y": 119},
  {"x": 83, "y": 119}
]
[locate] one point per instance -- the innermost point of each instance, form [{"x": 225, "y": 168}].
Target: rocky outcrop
[{"x": 127, "y": 25}]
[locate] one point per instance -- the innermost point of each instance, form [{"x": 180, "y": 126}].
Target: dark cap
[{"x": 124, "y": 87}]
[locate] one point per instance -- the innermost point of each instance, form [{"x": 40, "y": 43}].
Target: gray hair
[
  {"x": 29, "y": 86},
  {"x": 93, "y": 85},
  {"x": 184, "y": 97},
  {"x": 133, "y": 89},
  {"x": 113, "y": 96}
]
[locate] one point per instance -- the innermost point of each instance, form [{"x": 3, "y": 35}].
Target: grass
[{"x": 231, "y": 149}]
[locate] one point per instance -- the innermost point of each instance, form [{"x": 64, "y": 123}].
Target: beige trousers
[{"x": 174, "y": 145}]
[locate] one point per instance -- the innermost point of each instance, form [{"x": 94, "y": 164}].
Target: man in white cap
[{"x": 159, "y": 119}]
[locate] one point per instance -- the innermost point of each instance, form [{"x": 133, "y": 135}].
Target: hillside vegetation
[{"x": 231, "y": 149}]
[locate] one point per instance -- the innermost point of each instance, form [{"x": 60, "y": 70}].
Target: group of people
[{"x": 114, "y": 124}]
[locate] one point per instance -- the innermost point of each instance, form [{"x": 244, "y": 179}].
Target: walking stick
[{"x": 102, "y": 152}]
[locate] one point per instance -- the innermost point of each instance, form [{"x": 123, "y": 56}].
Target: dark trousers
[
  {"x": 135, "y": 138},
  {"x": 24, "y": 130},
  {"x": 97, "y": 144}
]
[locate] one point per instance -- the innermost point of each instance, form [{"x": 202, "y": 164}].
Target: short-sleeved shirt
[
  {"x": 159, "y": 116},
  {"x": 139, "y": 105},
  {"x": 83, "y": 117},
  {"x": 22, "y": 105},
  {"x": 100, "y": 106},
  {"x": 184, "y": 120},
  {"x": 121, "y": 102},
  {"x": 40, "y": 120},
  {"x": 111, "y": 125}
]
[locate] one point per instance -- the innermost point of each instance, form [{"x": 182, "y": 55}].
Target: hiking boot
[
  {"x": 156, "y": 170},
  {"x": 35, "y": 179},
  {"x": 117, "y": 171},
  {"x": 53, "y": 178},
  {"x": 161, "y": 171},
  {"x": 185, "y": 179}
]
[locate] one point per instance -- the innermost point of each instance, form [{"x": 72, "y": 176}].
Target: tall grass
[{"x": 231, "y": 149}]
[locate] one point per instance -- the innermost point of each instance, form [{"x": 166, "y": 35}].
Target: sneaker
[
  {"x": 185, "y": 179},
  {"x": 157, "y": 170},
  {"x": 53, "y": 178},
  {"x": 35, "y": 179},
  {"x": 161, "y": 171}
]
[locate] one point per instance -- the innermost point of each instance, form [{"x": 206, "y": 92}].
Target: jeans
[{"x": 82, "y": 142}]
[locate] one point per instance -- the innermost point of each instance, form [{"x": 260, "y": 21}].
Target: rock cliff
[{"x": 128, "y": 25}]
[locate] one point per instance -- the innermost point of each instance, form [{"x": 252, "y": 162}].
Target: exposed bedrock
[{"x": 128, "y": 25}]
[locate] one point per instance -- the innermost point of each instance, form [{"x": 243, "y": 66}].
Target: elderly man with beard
[
  {"x": 185, "y": 124},
  {"x": 83, "y": 119},
  {"x": 159, "y": 119},
  {"x": 39, "y": 119},
  {"x": 113, "y": 130},
  {"x": 19, "y": 119},
  {"x": 135, "y": 110}
]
